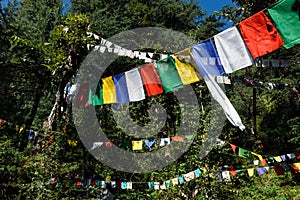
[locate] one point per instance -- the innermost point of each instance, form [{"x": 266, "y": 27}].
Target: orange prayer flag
[
  {"x": 233, "y": 147},
  {"x": 177, "y": 138},
  {"x": 263, "y": 162}
]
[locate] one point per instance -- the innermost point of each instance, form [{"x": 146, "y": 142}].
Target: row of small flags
[
  {"x": 220, "y": 176},
  {"x": 280, "y": 165}
]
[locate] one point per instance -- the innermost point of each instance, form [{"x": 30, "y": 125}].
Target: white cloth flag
[
  {"x": 219, "y": 95},
  {"x": 232, "y": 50},
  {"x": 226, "y": 175},
  {"x": 134, "y": 85}
]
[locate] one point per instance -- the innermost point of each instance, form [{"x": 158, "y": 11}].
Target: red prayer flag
[
  {"x": 151, "y": 79},
  {"x": 264, "y": 162},
  {"x": 233, "y": 172},
  {"x": 279, "y": 170},
  {"x": 108, "y": 144},
  {"x": 294, "y": 169},
  {"x": 260, "y": 35},
  {"x": 82, "y": 95},
  {"x": 297, "y": 155}
]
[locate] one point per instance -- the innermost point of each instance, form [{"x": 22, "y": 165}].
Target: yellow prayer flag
[
  {"x": 175, "y": 181},
  {"x": 250, "y": 171},
  {"x": 108, "y": 90},
  {"x": 297, "y": 165},
  {"x": 137, "y": 145},
  {"x": 186, "y": 71},
  {"x": 278, "y": 158},
  {"x": 258, "y": 155}
]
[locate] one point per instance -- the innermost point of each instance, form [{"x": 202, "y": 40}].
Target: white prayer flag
[
  {"x": 232, "y": 50},
  {"x": 219, "y": 95},
  {"x": 129, "y": 185},
  {"x": 108, "y": 44},
  {"x": 102, "y": 49},
  {"x": 96, "y": 144},
  {"x": 150, "y": 54},
  {"x": 156, "y": 185},
  {"x": 116, "y": 48},
  {"x": 226, "y": 175},
  {"x": 103, "y": 41},
  {"x": 134, "y": 85}
]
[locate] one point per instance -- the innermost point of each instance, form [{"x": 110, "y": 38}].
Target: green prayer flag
[
  {"x": 91, "y": 97},
  {"x": 98, "y": 100},
  {"x": 286, "y": 17},
  {"x": 244, "y": 153},
  {"x": 168, "y": 74},
  {"x": 95, "y": 99}
]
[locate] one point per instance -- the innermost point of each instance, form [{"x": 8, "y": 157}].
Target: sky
[
  {"x": 213, "y": 5},
  {"x": 208, "y": 5}
]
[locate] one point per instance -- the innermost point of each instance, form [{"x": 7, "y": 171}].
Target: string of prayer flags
[
  {"x": 207, "y": 59},
  {"x": 121, "y": 89},
  {"x": 168, "y": 74},
  {"x": 134, "y": 85},
  {"x": 285, "y": 15},
  {"x": 260, "y": 35},
  {"x": 186, "y": 71},
  {"x": 151, "y": 79},
  {"x": 232, "y": 50},
  {"x": 109, "y": 92}
]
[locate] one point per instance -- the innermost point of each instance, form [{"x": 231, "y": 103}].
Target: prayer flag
[
  {"x": 186, "y": 71},
  {"x": 232, "y": 50},
  {"x": 207, "y": 59},
  {"x": 174, "y": 181},
  {"x": 244, "y": 153},
  {"x": 135, "y": 85},
  {"x": 278, "y": 159},
  {"x": 151, "y": 79},
  {"x": 109, "y": 92},
  {"x": 286, "y": 17},
  {"x": 260, "y": 35},
  {"x": 83, "y": 94},
  {"x": 168, "y": 74},
  {"x": 150, "y": 143},
  {"x": 258, "y": 155},
  {"x": 197, "y": 173},
  {"x": 226, "y": 175},
  {"x": 261, "y": 171},
  {"x": 233, "y": 147},
  {"x": 250, "y": 172},
  {"x": 279, "y": 170},
  {"x": 121, "y": 89},
  {"x": 137, "y": 145},
  {"x": 98, "y": 96}
]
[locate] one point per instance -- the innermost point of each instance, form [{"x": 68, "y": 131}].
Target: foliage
[{"x": 42, "y": 49}]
